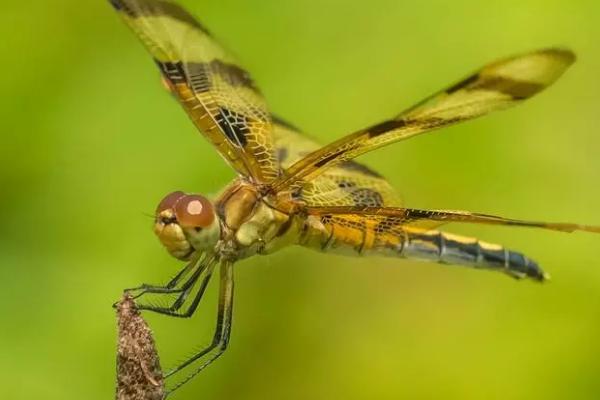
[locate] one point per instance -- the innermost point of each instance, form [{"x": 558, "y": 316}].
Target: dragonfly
[{"x": 289, "y": 190}]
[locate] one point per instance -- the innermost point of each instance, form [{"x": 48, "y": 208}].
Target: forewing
[
  {"x": 428, "y": 219},
  {"x": 347, "y": 184},
  {"x": 371, "y": 228},
  {"x": 218, "y": 95},
  {"x": 494, "y": 87}
]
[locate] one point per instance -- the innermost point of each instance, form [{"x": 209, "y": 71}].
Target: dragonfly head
[{"x": 186, "y": 223}]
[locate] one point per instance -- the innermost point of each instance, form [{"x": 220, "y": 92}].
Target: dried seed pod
[{"x": 139, "y": 376}]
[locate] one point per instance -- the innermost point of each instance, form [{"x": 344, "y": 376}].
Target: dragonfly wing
[
  {"x": 407, "y": 233},
  {"x": 346, "y": 184},
  {"x": 494, "y": 87},
  {"x": 218, "y": 95},
  {"x": 388, "y": 232},
  {"x": 409, "y": 217}
]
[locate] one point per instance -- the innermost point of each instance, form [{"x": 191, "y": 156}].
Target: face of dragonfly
[{"x": 186, "y": 223}]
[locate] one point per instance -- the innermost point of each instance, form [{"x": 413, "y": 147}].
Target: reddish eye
[
  {"x": 194, "y": 211},
  {"x": 169, "y": 201}
]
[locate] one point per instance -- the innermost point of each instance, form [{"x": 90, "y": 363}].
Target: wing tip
[
  {"x": 542, "y": 66},
  {"x": 558, "y": 61},
  {"x": 590, "y": 228},
  {"x": 565, "y": 52},
  {"x": 567, "y": 55},
  {"x": 570, "y": 228}
]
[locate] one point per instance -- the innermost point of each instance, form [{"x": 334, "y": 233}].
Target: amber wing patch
[
  {"x": 218, "y": 95},
  {"x": 347, "y": 184},
  {"x": 496, "y": 86}
]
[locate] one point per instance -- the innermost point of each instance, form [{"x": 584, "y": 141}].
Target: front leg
[
  {"x": 197, "y": 267},
  {"x": 170, "y": 287},
  {"x": 173, "y": 309}
]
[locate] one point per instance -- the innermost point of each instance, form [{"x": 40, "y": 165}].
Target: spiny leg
[
  {"x": 221, "y": 335},
  {"x": 175, "y": 305},
  {"x": 173, "y": 309},
  {"x": 170, "y": 287}
]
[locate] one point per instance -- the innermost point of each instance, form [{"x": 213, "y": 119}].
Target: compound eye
[
  {"x": 169, "y": 201},
  {"x": 194, "y": 211}
]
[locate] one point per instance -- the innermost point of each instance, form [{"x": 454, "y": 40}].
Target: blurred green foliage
[{"x": 90, "y": 143}]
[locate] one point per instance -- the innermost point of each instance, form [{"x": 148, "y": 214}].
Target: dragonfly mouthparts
[{"x": 168, "y": 220}]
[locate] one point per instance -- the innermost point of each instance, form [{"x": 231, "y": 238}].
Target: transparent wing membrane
[
  {"x": 428, "y": 219},
  {"x": 409, "y": 233},
  {"x": 347, "y": 184},
  {"x": 218, "y": 95},
  {"x": 494, "y": 87}
]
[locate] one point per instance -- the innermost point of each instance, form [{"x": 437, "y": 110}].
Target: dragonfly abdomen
[
  {"x": 454, "y": 249},
  {"x": 346, "y": 236}
]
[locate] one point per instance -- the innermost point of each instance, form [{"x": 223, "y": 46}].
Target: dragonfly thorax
[
  {"x": 251, "y": 224},
  {"x": 186, "y": 223}
]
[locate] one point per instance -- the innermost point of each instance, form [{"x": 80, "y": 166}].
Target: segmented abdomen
[
  {"x": 454, "y": 249},
  {"x": 419, "y": 244}
]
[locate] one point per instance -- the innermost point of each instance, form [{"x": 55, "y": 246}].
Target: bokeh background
[{"x": 90, "y": 143}]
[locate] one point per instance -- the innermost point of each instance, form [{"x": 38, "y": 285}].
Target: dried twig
[{"x": 139, "y": 376}]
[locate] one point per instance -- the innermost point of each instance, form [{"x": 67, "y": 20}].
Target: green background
[{"x": 90, "y": 143}]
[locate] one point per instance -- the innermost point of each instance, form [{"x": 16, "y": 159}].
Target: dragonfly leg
[
  {"x": 173, "y": 309},
  {"x": 221, "y": 336},
  {"x": 170, "y": 287}
]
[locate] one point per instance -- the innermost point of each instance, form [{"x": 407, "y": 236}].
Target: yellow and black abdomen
[
  {"x": 454, "y": 249},
  {"x": 360, "y": 237}
]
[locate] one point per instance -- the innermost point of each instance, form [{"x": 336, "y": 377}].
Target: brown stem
[{"x": 139, "y": 376}]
